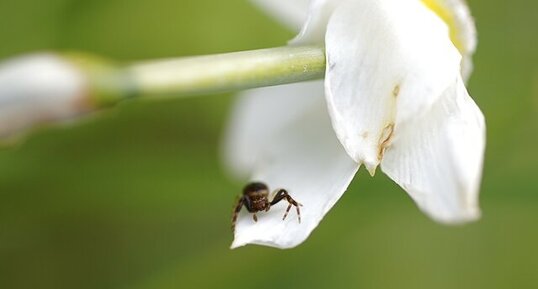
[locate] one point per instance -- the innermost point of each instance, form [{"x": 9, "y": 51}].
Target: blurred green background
[{"x": 137, "y": 198}]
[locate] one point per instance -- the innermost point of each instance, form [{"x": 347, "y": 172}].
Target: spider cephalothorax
[{"x": 256, "y": 198}]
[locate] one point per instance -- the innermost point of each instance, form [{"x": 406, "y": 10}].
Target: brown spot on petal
[
  {"x": 364, "y": 135},
  {"x": 396, "y": 91},
  {"x": 384, "y": 140}
]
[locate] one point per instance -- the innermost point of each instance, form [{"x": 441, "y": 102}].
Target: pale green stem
[
  {"x": 206, "y": 74},
  {"x": 228, "y": 72},
  {"x": 107, "y": 83}
]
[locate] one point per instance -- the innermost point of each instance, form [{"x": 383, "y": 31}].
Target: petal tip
[
  {"x": 239, "y": 242},
  {"x": 236, "y": 245},
  {"x": 371, "y": 168},
  {"x": 469, "y": 215}
]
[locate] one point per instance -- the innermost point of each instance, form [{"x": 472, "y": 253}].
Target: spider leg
[
  {"x": 283, "y": 194},
  {"x": 287, "y": 211},
  {"x": 239, "y": 204},
  {"x": 280, "y": 195},
  {"x": 298, "y": 213}
]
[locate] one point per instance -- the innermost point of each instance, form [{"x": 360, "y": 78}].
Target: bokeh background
[{"x": 136, "y": 197}]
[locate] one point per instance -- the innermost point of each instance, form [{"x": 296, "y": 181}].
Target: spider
[{"x": 255, "y": 199}]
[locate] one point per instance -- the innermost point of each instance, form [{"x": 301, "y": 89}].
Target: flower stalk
[
  {"x": 46, "y": 88},
  {"x": 188, "y": 76}
]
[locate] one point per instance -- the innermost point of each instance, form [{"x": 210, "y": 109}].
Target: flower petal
[
  {"x": 292, "y": 13},
  {"x": 36, "y": 89},
  {"x": 284, "y": 135},
  {"x": 437, "y": 158},
  {"x": 387, "y": 62},
  {"x": 315, "y": 26},
  {"x": 258, "y": 118},
  {"x": 458, "y": 17}
]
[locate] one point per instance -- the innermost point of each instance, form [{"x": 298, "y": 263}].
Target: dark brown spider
[{"x": 256, "y": 198}]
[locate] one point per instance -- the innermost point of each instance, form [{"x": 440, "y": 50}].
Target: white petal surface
[
  {"x": 388, "y": 61},
  {"x": 292, "y": 13},
  {"x": 288, "y": 143},
  {"x": 465, "y": 31},
  {"x": 437, "y": 158},
  {"x": 457, "y": 15},
  {"x": 314, "y": 29},
  {"x": 258, "y": 118},
  {"x": 36, "y": 89}
]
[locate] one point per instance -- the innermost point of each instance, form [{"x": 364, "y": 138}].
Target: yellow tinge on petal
[{"x": 456, "y": 15}]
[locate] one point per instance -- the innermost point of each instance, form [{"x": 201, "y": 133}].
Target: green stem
[
  {"x": 203, "y": 74},
  {"x": 228, "y": 72}
]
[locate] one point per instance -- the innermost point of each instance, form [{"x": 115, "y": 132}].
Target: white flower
[
  {"x": 395, "y": 97},
  {"x": 38, "y": 88}
]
